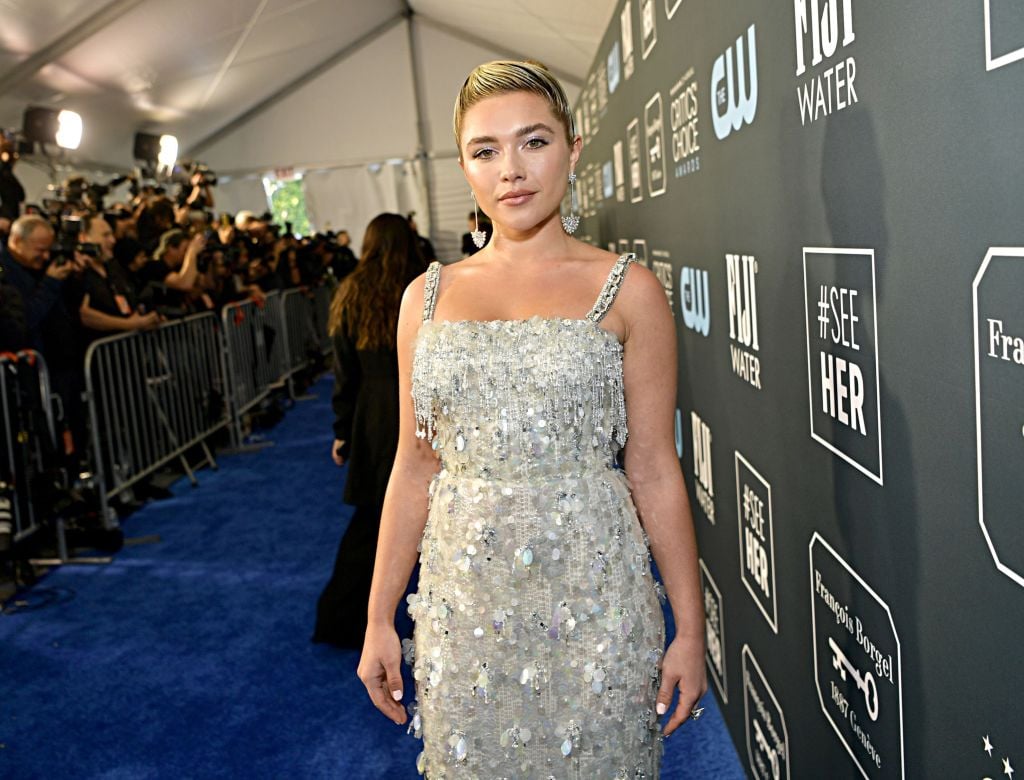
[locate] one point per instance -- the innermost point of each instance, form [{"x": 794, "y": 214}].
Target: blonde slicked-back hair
[{"x": 503, "y": 76}]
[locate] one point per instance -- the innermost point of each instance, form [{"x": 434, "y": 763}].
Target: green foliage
[{"x": 288, "y": 204}]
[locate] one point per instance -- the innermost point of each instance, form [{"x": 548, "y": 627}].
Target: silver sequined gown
[{"x": 538, "y": 623}]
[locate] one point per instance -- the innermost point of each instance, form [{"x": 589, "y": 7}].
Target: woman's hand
[
  {"x": 379, "y": 669},
  {"x": 336, "y": 455},
  {"x": 682, "y": 668}
]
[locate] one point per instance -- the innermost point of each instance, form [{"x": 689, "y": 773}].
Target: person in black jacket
[{"x": 363, "y": 323}]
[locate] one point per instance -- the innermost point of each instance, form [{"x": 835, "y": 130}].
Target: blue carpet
[{"x": 190, "y": 657}]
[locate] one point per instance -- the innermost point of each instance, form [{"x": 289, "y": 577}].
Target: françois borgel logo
[
  {"x": 767, "y": 737},
  {"x": 696, "y": 304},
  {"x": 714, "y": 629},
  {"x": 703, "y": 476},
  {"x": 818, "y": 25},
  {"x": 1004, "y": 33},
  {"x": 857, "y": 663},
  {"x": 757, "y": 539},
  {"x": 999, "y": 404},
  {"x": 741, "y": 277},
  {"x": 734, "y": 86},
  {"x": 654, "y": 136},
  {"x": 683, "y": 116},
  {"x": 842, "y": 355}
]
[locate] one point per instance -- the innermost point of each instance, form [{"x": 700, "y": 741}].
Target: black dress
[{"x": 365, "y": 405}]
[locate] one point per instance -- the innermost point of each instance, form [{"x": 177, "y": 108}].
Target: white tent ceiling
[{"x": 236, "y": 79}]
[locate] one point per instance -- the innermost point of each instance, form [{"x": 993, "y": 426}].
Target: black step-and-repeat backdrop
[{"x": 830, "y": 193}]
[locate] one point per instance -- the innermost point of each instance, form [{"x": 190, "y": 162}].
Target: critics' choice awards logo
[
  {"x": 703, "y": 477},
  {"x": 767, "y": 737},
  {"x": 636, "y": 185},
  {"x": 1004, "y": 33},
  {"x": 696, "y": 302},
  {"x": 842, "y": 355},
  {"x": 626, "y": 23},
  {"x": 741, "y": 280},
  {"x": 714, "y": 630},
  {"x": 757, "y": 539},
  {"x": 654, "y": 138},
  {"x": 683, "y": 115},
  {"x": 857, "y": 666},
  {"x": 999, "y": 404},
  {"x": 734, "y": 86},
  {"x": 822, "y": 27}
]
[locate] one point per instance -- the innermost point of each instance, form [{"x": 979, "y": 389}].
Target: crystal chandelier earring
[
  {"x": 571, "y": 222},
  {"x": 479, "y": 236}
]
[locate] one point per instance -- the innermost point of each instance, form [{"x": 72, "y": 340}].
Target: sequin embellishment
[{"x": 538, "y": 626}]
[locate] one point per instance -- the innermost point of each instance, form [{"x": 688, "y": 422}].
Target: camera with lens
[
  {"x": 209, "y": 177},
  {"x": 88, "y": 249},
  {"x": 67, "y": 230}
]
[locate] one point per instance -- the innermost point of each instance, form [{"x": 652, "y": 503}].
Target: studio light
[
  {"x": 168, "y": 152},
  {"x": 156, "y": 151},
  {"x": 50, "y": 125},
  {"x": 69, "y": 130}
]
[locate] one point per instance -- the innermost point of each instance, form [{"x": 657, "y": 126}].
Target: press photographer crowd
[{"x": 75, "y": 268}]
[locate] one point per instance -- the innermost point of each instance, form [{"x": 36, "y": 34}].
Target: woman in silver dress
[{"x": 539, "y": 648}]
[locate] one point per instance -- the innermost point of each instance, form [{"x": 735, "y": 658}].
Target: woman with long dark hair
[{"x": 363, "y": 323}]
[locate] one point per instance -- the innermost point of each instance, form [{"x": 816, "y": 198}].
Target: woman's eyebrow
[{"x": 490, "y": 139}]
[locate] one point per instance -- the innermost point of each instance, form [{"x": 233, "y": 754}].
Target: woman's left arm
[{"x": 656, "y": 481}]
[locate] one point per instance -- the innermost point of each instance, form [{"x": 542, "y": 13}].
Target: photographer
[
  {"x": 172, "y": 273},
  {"x": 154, "y": 219},
  {"x": 50, "y": 294},
  {"x": 200, "y": 198},
  {"x": 108, "y": 304},
  {"x": 27, "y": 269}
]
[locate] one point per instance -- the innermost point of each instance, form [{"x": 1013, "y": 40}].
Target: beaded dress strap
[
  {"x": 430, "y": 290},
  {"x": 611, "y": 288}
]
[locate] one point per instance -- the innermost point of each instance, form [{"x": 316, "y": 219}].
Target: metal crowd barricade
[
  {"x": 28, "y": 438},
  {"x": 322, "y": 296},
  {"x": 297, "y": 306},
  {"x": 265, "y": 342},
  {"x": 153, "y": 395},
  {"x": 253, "y": 353}
]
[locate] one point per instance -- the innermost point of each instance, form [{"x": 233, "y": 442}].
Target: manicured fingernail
[
  {"x": 661, "y": 708},
  {"x": 396, "y": 695}
]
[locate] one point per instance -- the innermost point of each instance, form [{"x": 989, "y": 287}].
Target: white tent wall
[
  {"x": 361, "y": 109},
  {"x": 241, "y": 192},
  {"x": 348, "y": 198}
]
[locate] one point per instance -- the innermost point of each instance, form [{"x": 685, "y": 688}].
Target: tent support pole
[{"x": 421, "y": 127}]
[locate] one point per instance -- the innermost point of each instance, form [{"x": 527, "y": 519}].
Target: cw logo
[{"x": 729, "y": 87}]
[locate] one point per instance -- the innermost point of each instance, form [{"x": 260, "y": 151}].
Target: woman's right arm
[{"x": 401, "y": 527}]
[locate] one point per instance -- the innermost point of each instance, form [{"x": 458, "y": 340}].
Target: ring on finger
[{"x": 696, "y": 712}]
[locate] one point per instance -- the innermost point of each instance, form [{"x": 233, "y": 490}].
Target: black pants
[{"x": 341, "y": 609}]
